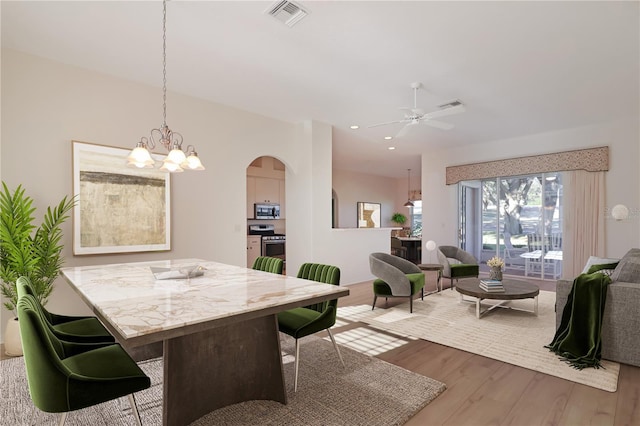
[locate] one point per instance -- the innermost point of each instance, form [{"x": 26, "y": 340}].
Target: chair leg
[
  {"x": 411, "y": 304},
  {"x": 422, "y": 293},
  {"x": 335, "y": 346},
  {"x": 375, "y": 297},
  {"x": 295, "y": 380},
  {"x": 63, "y": 418},
  {"x": 134, "y": 409}
]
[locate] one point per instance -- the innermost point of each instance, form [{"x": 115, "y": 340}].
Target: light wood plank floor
[{"x": 483, "y": 391}]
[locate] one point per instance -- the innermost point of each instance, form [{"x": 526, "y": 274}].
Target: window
[
  {"x": 518, "y": 218},
  {"x": 416, "y": 218}
]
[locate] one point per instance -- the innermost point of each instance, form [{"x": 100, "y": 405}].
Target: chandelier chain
[{"x": 164, "y": 63}]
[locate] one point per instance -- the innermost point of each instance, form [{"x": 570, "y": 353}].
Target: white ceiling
[{"x": 520, "y": 67}]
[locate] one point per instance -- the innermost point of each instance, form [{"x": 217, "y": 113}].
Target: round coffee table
[{"x": 513, "y": 290}]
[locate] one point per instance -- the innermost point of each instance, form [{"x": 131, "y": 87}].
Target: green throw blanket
[{"x": 578, "y": 339}]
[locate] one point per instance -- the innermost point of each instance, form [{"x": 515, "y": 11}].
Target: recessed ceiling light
[
  {"x": 354, "y": 127},
  {"x": 391, "y": 148},
  {"x": 387, "y": 138}
]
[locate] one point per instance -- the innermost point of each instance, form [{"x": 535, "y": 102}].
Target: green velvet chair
[
  {"x": 83, "y": 329},
  {"x": 457, "y": 263},
  {"x": 396, "y": 277},
  {"x": 301, "y": 322},
  {"x": 268, "y": 264},
  {"x": 65, "y": 376}
]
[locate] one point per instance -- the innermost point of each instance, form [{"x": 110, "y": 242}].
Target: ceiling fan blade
[
  {"x": 384, "y": 124},
  {"x": 405, "y": 129},
  {"x": 438, "y": 124},
  {"x": 447, "y": 111}
]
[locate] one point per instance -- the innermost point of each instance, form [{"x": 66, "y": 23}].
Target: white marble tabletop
[{"x": 128, "y": 296}]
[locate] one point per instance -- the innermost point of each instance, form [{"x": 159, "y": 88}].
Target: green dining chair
[
  {"x": 268, "y": 264},
  {"x": 67, "y": 376},
  {"x": 80, "y": 329},
  {"x": 301, "y": 322}
]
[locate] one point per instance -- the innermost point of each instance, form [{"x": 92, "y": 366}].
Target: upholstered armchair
[
  {"x": 457, "y": 263},
  {"x": 397, "y": 277}
]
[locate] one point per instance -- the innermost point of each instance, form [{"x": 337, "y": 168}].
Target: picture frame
[
  {"x": 369, "y": 214},
  {"x": 119, "y": 209}
]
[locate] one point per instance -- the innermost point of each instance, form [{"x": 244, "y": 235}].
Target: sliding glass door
[{"x": 517, "y": 218}]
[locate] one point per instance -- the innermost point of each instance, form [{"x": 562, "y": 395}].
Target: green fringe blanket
[{"x": 578, "y": 339}]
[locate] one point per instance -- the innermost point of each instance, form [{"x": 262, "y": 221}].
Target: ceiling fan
[{"x": 415, "y": 115}]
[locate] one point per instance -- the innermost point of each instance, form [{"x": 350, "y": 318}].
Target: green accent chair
[
  {"x": 396, "y": 277},
  {"x": 84, "y": 329},
  {"x": 457, "y": 263},
  {"x": 268, "y": 264},
  {"x": 301, "y": 322},
  {"x": 66, "y": 376}
]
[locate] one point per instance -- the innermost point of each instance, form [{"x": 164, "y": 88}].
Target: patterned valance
[{"x": 591, "y": 160}]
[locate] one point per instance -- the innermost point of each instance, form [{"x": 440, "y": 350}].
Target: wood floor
[{"x": 483, "y": 391}]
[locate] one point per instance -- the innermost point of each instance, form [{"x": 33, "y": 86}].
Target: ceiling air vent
[
  {"x": 287, "y": 12},
  {"x": 451, "y": 104}
]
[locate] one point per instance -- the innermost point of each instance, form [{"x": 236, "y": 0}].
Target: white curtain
[{"x": 583, "y": 223}]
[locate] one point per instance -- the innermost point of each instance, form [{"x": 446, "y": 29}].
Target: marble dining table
[{"x": 218, "y": 332}]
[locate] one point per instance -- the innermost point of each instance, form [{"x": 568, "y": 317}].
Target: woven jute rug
[
  {"x": 367, "y": 391},
  {"x": 506, "y": 335}
]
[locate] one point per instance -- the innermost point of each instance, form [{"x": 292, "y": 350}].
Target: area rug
[
  {"x": 368, "y": 391},
  {"x": 506, "y": 335}
]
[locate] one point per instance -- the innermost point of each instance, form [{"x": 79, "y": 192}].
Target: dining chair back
[
  {"x": 268, "y": 264},
  {"x": 80, "y": 329},
  {"x": 67, "y": 376},
  {"x": 301, "y": 322}
]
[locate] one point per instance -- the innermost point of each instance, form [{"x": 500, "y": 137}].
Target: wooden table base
[{"x": 222, "y": 366}]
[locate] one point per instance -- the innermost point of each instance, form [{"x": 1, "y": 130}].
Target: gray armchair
[
  {"x": 457, "y": 263},
  {"x": 397, "y": 277}
]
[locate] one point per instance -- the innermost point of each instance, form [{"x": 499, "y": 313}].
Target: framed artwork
[
  {"x": 368, "y": 214},
  {"x": 119, "y": 209}
]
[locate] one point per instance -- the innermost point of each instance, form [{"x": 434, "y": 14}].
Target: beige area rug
[
  {"x": 368, "y": 391},
  {"x": 507, "y": 335}
]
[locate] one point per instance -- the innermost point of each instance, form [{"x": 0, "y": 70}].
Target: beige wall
[
  {"x": 622, "y": 179},
  {"x": 46, "y": 105}
]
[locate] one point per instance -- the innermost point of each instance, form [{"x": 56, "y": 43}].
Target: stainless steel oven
[{"x": 272, "y": 244}]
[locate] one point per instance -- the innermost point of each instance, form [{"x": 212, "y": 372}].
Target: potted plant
[
  {"x": 398, "y": 218},
  {"x": 27, "y": 250}
]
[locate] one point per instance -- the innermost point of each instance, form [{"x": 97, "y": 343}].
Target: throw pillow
[
  {"x": 628, "y": 270},
  {"x": 595, "y": 260},
  {"x": 606, "y": 268}
]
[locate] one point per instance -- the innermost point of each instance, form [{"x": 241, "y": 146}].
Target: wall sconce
[{"x": 620, "y": 212}]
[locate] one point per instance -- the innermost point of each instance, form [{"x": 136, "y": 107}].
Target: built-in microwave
[{"x": 266, "y": 211}]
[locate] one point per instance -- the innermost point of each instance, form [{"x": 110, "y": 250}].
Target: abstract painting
[{"x": 119, "y": 209}]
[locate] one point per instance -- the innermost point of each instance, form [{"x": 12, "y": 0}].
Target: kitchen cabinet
[
  {"x": 267, "y": 190},
  {"x": 254, "y": 246}
]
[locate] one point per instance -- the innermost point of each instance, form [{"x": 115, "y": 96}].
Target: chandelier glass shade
[
  {"x": 177, "y": 160},
  {"x": 408, "y": 203}
]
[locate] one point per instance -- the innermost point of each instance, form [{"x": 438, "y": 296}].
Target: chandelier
[{"x": 177, "y": 160}]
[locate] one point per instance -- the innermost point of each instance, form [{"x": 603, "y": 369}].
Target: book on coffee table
[{"x": 491, "y": 285}]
